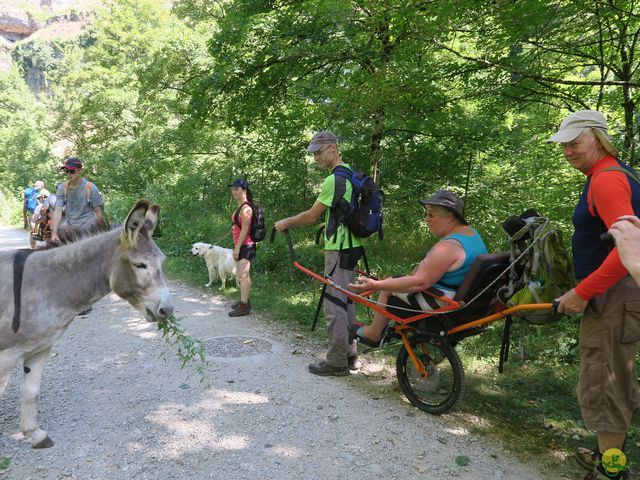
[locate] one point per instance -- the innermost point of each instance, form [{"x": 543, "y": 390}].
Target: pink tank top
[{"x": 235, "y": 231}]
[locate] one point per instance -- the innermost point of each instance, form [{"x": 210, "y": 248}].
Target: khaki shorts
[{"x": 609, "y": 336}]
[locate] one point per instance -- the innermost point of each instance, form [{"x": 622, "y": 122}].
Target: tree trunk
[
  {"x": 376, "y": 139},
  {"x": 379, "y": 75},
  {"x": 626, "y": 54}
]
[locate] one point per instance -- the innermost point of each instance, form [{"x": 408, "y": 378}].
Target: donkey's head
[{"x": 137, "y": 273}]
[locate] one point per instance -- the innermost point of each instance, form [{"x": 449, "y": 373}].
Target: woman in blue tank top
[{"x": 443, "y": 267}]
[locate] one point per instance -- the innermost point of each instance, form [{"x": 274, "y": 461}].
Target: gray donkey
[{"x": 125, "y": 260}]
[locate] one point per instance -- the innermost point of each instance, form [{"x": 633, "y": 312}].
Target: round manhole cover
[{"x": 234, "y": 347}]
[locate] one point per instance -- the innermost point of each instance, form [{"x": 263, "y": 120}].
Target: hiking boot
[
  {"x": 234, "y": 305},
  {"x": 323, "y": 369},
  {"x": 587, "y": 458},
  {"x": 598, "y": 474},
  {"x": 354, "y": 363},
  {"x": 241, "y": 310}
]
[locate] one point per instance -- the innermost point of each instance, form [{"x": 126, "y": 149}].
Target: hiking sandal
[{"x": 587, "y": 458}]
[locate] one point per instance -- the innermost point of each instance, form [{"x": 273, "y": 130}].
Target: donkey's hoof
[{"x": 46, "y": 443}]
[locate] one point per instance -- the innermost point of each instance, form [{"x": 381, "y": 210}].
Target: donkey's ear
[
  {"x": 151, "y": 219},
  {"x": 135, "y": 220}
]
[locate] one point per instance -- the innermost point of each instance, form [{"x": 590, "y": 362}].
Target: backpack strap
[
  {"x": 629, "y": 173},
  {"x": 237, "y": 212},
  {"x": 339, "y": 207},
  {"x": 87, "y": 191}
]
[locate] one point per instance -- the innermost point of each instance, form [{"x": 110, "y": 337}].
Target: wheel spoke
[{"x": 441, "y": 388}]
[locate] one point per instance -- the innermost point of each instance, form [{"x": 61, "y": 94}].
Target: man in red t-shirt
[{"x": 610, "y": 326}]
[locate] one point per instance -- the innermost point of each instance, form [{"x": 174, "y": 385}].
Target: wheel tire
[{"x": 444, "y": 385}]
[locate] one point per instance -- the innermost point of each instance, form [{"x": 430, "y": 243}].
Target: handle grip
[
  {"x": 292, "y": 252},
  {"x": 607, "y": 237}
]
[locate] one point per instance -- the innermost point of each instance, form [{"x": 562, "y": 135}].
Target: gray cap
[
  {"x": 449, "y": 200},
  {"x": 576, "y": 123},
  {"x": 322, "y": 139}
]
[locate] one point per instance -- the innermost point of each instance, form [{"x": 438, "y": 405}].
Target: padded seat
[{"x": 484, "y": 270}]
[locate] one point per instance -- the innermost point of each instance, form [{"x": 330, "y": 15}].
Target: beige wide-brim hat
[{"x": 576, "y": 123}]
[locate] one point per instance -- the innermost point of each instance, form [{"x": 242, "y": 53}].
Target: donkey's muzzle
[
  {"x": 160, "y": 314},
  {"x": 161, "y": 309}
]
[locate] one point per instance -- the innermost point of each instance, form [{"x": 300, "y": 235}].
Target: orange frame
[{"x": 402, "y": 324}]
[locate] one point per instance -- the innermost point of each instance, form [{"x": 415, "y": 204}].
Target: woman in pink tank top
[{"x": 244, "y": 247}]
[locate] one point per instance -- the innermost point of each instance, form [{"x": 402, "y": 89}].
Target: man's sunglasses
[{"x": 66, "y": 170}]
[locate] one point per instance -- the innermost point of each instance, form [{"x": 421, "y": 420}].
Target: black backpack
[
  {"x": 363, "y": 215},
  {"x": 258, "y": 230}
]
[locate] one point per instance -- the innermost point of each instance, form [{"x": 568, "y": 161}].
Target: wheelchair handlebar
[
  {"x": 607, "y": 237},
  {"x": 292, "y": 252}
]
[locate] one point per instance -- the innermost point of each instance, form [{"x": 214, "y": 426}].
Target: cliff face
[{"x": 29, "y": 21}]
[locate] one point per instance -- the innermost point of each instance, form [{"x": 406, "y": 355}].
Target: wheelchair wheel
[{"x": 444, "y": 383}]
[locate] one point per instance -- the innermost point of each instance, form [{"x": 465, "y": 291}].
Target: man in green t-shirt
[{"x": 341, "y": 254}]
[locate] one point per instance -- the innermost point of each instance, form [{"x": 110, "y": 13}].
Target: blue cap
[{"x": 239, "y": 182}]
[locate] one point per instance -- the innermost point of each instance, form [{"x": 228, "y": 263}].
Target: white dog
[{"x": 220, "y": 262}]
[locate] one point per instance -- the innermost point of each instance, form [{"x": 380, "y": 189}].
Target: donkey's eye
[{"x": 140, "y": 265}]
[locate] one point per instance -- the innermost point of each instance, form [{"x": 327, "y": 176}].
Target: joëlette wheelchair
[{"x": 429, "y": 370}]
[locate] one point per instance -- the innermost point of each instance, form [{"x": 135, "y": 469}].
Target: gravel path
[{"x": 118, "y": 406}]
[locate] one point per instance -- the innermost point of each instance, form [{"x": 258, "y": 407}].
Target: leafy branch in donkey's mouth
[{"x": 189, "y": 349}]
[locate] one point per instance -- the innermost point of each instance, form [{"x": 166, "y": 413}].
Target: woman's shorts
[
  {"x": 247, "y": 252},
  {"x": 409, "y": 304}
]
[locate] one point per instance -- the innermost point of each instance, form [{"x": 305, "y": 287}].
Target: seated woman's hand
[{"x": 363, "y": 284}]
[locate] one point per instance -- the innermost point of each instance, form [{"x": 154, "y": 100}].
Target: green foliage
[
  {"x": 24, "y": 139},
  {"x": 190, "y": 351},
  {"x": 10, "y": 209}
]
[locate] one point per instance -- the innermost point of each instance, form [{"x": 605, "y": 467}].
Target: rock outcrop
[{"x": 42, "y": 20}]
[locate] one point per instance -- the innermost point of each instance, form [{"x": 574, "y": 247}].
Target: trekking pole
[
  {"x": 292, "y": 252},
  {"x": 294, "y": 257},
  {"x": 318, "y": 307},
  {"x": 322, "y": 290}
]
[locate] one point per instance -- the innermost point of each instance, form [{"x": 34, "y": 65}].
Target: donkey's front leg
[{"x": 33, "y": 367}]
